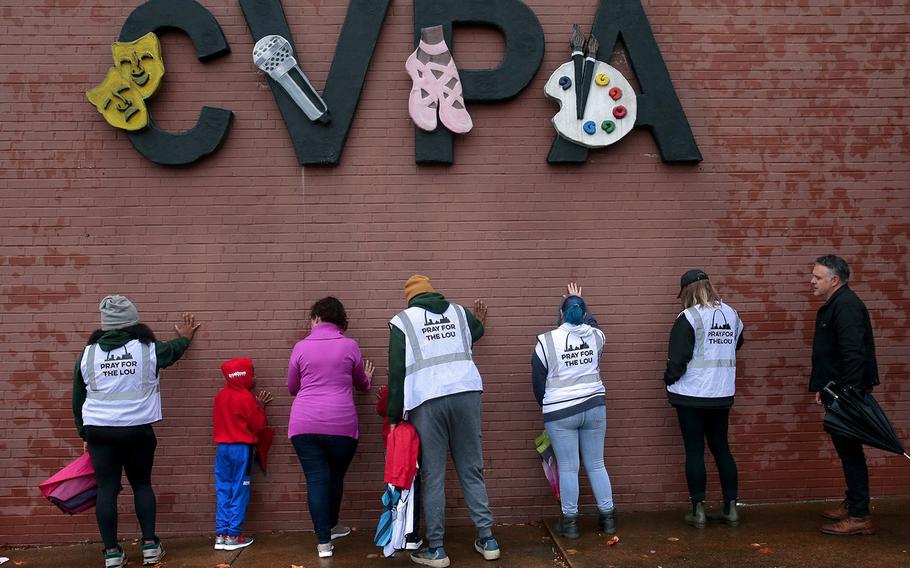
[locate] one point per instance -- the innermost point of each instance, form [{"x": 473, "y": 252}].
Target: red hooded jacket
[{"x": 238, "y": 419}]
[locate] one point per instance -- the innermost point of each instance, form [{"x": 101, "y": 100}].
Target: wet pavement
[{"x": 773, "y": 536}]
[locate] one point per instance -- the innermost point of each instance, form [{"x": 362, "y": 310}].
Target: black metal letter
[
  {"x": 210, "y": 131},
  {"x": 317, "y": 143},
  {"x": 524, "y": 45}
]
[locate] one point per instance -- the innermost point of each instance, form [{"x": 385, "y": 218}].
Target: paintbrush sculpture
[
  {"x": 578, "y": 58},
  {"x": 590, "y": 62}
]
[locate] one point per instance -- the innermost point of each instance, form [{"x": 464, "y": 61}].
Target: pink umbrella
[
  {"x": 548, "y": 461},
  {"x": 73, "y": 489}
]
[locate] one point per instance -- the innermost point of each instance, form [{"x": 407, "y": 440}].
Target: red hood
[{"x": 238, "y": 373}]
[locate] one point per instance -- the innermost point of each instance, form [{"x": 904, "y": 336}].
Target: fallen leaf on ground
[
  {"x": 571, "y": 551},
  {"x": 613, "y": 540},
  {"x": 673, "y": 539},
  {"x": 223, "y": 565},
  {"x": 296, "y": 566},
  {"x": 766, "y": 550},
  {"x": 372, "y": 556},
  {"x": 756, "y": 545}
]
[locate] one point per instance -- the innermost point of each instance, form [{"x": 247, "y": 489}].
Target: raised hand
[
  {"x": 263, "y": 398},
  {"x": 480, "y": 311},
  {"x": 574, "y": 289},
  {"x": 187, "y": 326}
]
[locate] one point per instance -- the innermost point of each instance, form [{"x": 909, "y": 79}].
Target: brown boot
[
  {"x": 850, "y": 526},
  {"x": 838, "y": 513}
]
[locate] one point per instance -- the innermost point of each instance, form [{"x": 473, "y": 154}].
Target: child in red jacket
[{"x": 239, "y": 421}]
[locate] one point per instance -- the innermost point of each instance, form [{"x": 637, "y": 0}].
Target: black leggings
[
  {"x": 697, "y": 424},
  {"x": 114, "y": 449}
]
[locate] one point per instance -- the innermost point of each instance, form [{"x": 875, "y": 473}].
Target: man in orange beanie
[
  {"x": 434, "y": 383},
  {"x": 239, "y": 420}
]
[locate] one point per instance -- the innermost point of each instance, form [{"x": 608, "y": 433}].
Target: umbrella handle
[
  {"x": 828, "y": 390},
  {"x": 906, "y": 456}
]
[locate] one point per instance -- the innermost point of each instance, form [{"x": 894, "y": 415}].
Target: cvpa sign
[{"x": 318, "y": 143}]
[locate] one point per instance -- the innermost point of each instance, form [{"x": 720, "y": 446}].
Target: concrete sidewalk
[{"x": 775, "y": 536}]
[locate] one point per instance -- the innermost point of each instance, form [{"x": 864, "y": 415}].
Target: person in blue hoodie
[{"x": 565, "y": 372}]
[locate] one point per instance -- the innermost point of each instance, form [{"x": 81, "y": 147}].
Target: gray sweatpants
[{"x": 451, "y": 423}]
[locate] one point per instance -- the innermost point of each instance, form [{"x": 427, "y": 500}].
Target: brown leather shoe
[
  {"x": 850, "y": 526},
  {"x": 838, "y": 513}
]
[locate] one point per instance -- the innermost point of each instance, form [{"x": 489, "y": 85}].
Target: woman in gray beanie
[{"x": 116, "y": 400}]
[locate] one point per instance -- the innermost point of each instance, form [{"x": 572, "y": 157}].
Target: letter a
[{"x": 659, "y": 108}]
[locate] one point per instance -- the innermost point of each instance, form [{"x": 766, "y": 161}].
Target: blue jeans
[
  {"x": 232, "y": 487},
  {"x": 325, "y": 460},
  {"x": 586, "y": 431}
]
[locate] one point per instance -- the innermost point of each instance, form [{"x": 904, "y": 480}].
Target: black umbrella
[{"x": 857, "y": 415}]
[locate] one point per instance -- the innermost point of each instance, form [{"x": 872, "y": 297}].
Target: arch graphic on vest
[
  {"x": 698, "y": 355},
  {"x": 146, "y": 386},
  {"x": 584, "y": 344},
  {"x": 714, "y": 321},
  {"x": 420, "y": 362},
  {"x": 554, "y": 375}
]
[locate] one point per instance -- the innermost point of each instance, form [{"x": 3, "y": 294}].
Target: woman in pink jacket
[{"x": 324, "y": 369}]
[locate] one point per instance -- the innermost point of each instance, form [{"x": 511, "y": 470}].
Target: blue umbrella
[{"x": 384, "y": 529}]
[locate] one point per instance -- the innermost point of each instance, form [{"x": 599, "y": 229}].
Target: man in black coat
[{"x": 843, "y": 351}]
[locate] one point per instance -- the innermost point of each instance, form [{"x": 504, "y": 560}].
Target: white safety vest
[
  {"x": 122, "y": 385},
  {"x": 711, "y": 372},
  {"x": 573, "y": 367},
  {"x": 438, "y": 358}
]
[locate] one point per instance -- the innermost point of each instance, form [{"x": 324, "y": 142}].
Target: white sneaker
[
  {"x": 152, "y": 553},
  {"x": 219, "y": 542},
  {"x": 115, "y": 559},
  {"x": 413, "y": 544},
  {"x": 325, "y": 550}
]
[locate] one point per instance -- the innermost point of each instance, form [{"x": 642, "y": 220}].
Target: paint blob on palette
[{"x": 610, "y": 110}]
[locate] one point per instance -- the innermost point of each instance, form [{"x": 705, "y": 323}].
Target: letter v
[{"x": 314, "y": 143}]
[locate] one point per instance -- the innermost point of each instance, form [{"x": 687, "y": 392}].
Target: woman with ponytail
[{"x": 565, "y": 372}]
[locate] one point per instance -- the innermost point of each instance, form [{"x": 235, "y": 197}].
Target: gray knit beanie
[{"x": 117, "y": 312}]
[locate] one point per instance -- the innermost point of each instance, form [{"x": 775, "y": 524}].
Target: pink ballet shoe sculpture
[{"x": 430, "y": 93}]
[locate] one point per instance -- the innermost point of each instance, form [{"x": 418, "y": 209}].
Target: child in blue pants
[{"x": 238, "y": 424}]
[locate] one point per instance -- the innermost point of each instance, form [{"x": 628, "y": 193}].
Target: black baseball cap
[{"x": 690, "y": 277}]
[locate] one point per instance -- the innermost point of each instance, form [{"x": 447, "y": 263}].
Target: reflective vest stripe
[
  {"x": 434, "y": 361},
  {"x": 463, "y": 326},
  {"x": 589, "y": 378},
  {"x": 124, "y": 395},
  {"x": 412, "y": 339},
  {"x": 90, "y": 368},
  {"x": 147, "y": 368},
  {"x": 552, "y": 363}
]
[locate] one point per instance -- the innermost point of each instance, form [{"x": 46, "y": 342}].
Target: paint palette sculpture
[{"x": 610, "y": 110}]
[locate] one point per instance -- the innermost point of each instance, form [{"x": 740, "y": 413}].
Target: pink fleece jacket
[{"x": 324, "y": 369}]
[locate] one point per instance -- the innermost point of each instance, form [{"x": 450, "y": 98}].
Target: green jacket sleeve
[
  {"x": 79, "y": 393},
  {"x": 169, "y": 352},
  {"x": 395, "y": 404}
]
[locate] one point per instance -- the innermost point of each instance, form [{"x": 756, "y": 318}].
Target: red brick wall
[{"x": 800, "y": 113}]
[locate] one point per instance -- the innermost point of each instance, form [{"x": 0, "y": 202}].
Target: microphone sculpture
[{"x": 273, "y": 54}]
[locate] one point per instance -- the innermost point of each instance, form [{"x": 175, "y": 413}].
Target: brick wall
[{"x": 800, "y": 113}]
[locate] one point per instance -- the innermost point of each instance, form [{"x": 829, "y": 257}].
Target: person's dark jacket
[{"x": 843, "y": 349}]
